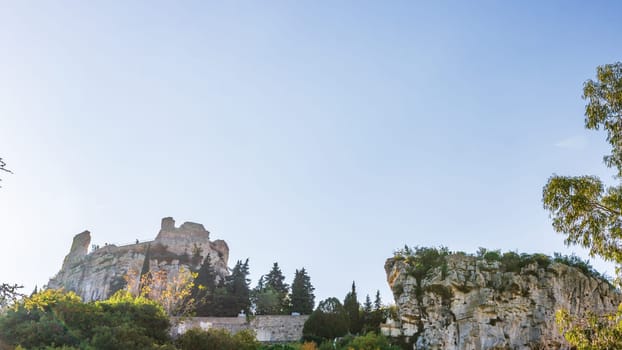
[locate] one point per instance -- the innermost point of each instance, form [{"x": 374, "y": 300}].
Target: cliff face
[
  {"x": 97, "y": 275},
  {"x": 470, "y": 303}
]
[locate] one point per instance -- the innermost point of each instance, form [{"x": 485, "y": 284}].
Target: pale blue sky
[{"x": 317, "y": 134}]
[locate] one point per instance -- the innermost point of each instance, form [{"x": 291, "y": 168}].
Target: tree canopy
[
  {"x": 589, "y": 212},
  {"x": 583, "y": 208}
]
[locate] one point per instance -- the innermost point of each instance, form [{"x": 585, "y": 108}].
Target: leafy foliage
[
  {"x": 58, "y": 319},
  {"x": 217, "y": 339},
  {"x": 594, "y": 332},
  {"x": 588, "y": 212},
  {"x": 582, "y": 208},
  {"x": 173, "y": 292}
]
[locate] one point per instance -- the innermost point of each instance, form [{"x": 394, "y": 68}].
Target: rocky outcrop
[
  {"x": 469, "y": 303},
  {"x": 103, "y": 271}
]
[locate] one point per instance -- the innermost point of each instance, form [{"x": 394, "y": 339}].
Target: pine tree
[
  {"x": 204, "y": 288},
  {"x": 367, "y": 306},
  {"x": 238, "y": 288},
  {"x": 352, "y": 306},
  {"x": 275, "y": 280},
  {"x": 377, "y": 301},
  {"x": 302, "y": 297},
  {"x": 378, "y": 314},
  {"x": 367, "y": 316}
]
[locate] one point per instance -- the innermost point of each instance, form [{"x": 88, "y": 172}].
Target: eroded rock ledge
[
  {"x": 100, "y": 273},
  {"x": 463, "y": 302}
]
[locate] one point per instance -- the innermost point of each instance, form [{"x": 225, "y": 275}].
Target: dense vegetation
[
  {"x": 54, "y": 319},
  {"x": 211, "y": 296},
  {"x": 424, "y": 260}
]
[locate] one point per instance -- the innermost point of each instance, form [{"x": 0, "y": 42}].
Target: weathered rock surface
[
  {"x": 97, "y": 275},
  {"x": 471, "y": 304}
]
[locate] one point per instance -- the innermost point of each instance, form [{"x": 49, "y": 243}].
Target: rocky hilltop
[
  {"x": 456, "y": 301},
  {"x": 103, "y": 271}
]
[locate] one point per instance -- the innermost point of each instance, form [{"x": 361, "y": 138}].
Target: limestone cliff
[
  {"x": 98, "y": 274},
  {"x": 470, "y": 303}
]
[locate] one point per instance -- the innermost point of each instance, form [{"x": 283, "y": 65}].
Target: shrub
[
  {"x": 370, "y": 341},
  {"x": 58, "y": 319},
  {"x": 217, "y": 339}
]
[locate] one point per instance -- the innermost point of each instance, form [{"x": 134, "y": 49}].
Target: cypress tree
[
  {"x": 352, "y": 307},
  {"x": 237, "y": 286},
  {"x": 204, "y": 288},
  {"x": 302, "y": 297}
]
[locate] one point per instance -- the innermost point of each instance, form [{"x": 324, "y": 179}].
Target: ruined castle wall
[{"x": 97, "y": 275}]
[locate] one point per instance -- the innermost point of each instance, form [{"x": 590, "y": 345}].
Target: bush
[
  {"x": 370, "y": 341},
  {"x": 58, "y": 319},
  {"x": 217, "y": 339}
]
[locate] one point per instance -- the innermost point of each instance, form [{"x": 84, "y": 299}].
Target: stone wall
[{"x": 269, "y": 328}]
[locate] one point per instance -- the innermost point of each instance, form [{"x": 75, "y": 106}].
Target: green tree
[
  {"x": 367, "y": 316},
  {"x": 328, "y": 321},
  {"x": 267, "y": 301},
  {"x": 352, "y": 307},
  {"x": 238, "y": 287},
  {"x": 204, "y": 288},
  {"x": 233, "y": 294},
  {"x": 587, "y": 211},
  {"x": 302, "y": 297},
  {"x": 57, "y": 319},
  {"x": 582, "y": 207},
  {"x": 276, "y": 281}
]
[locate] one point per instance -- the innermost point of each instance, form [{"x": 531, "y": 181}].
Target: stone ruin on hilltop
[{"x": 100, "y": 273}]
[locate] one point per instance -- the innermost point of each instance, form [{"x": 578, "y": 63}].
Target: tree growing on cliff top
[{"x": 587, "y": 211}]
